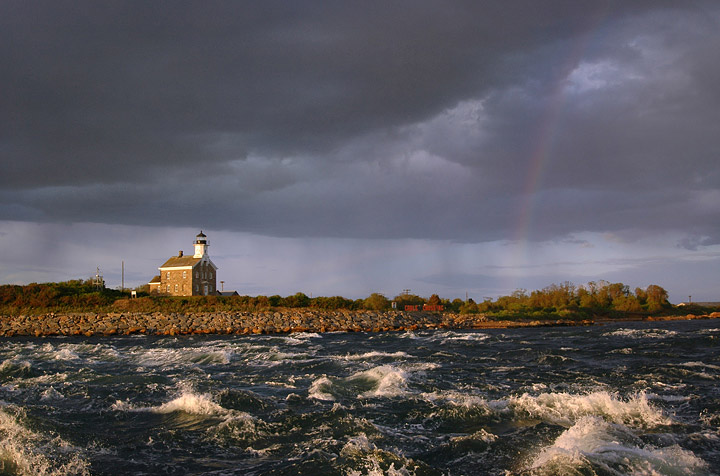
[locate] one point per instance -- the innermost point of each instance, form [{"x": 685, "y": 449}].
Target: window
[
  {"x": 168, "y": 275},
  {"x": 184, "y": 274},
  {"x": 197, "y": 274},
  {"x": 197, "y": 287},
  {"x": 168, "y": 288},
  {"x": 210, "y": 274},
  {"x": 176, "y": 288}
]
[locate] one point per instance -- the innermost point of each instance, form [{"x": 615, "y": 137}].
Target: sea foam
[
  {"x": 375, "y": 354},
  {"x": 593, "y": 442},
  {"x": 641, "y": 333},
  {"x": 387, "y": 381},
  {"x": 365, "y": 459},
  {"x": 187, "y": 401},
  {"x": 565, "y": 409},
  {"x": 320, "y": 389},
  {"x": 382, "y": 381},
  {"x": 25, "y": 452}
]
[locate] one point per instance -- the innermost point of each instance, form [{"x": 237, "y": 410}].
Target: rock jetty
[{"x": 258, "y": 322}]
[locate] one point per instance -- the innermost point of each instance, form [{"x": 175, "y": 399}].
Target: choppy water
[{"x": 641, "y": 399}]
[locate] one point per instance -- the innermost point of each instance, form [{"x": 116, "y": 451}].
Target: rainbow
[{"x": 544, "y": 141}]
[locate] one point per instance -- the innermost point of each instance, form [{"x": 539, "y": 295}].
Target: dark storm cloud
[{"x": 387, "y": 119}]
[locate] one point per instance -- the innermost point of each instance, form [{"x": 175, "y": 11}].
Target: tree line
[
  {"x": 564, "y": 300},
  {"x": 599, "y": 298}
]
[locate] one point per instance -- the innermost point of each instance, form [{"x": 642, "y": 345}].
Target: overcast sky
[{"x": 355, "y": 147}]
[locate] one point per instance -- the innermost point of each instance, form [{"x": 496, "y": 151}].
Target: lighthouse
[
  {"x": 185, "y": 275},
  {"x": 201, "y": 245}
]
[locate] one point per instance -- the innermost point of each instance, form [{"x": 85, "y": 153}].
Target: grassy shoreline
[{"x": 81, "y": 308}]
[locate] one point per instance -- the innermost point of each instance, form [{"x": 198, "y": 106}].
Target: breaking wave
[
  {"x": 188, "y": 402},
  {"x": 641, "y": 333},
  {"x": 566, "y": 409},
  {"x": 422, "y": 403},
  {"x": 383, "y": 381},
  {"x": 376, "y": 354},
  {"x": 25, "y": 452},
  {"x": 593, "y": 443}
]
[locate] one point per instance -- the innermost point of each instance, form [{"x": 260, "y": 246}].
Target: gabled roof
[{"x": 181, "y": 262}]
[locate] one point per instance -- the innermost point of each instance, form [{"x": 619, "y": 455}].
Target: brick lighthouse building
[{"x": 182, "y": 275}]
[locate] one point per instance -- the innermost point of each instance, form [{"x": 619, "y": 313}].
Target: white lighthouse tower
[{"x": 201, "y": 245}]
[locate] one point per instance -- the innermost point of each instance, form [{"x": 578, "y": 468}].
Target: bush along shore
[
  {"x": 270, "y": 322},
  {"x": 78, "y": 308}
]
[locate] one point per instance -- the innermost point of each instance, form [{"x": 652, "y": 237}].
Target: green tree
[
  {"x": 469, "y": 307},
  {"x": 627, "y": 303},
  {"x": 376, "y": 302},
  {"x": 455, "y": 305},
  {"x": 586, "y": 299},
  {"x": 297, "y": 300},
  {"x": 434, "y": 300},
  {"x": 641, "y": 296},
  {"x": 403, "y": 300},
  {"x": 657, "y": 298}
]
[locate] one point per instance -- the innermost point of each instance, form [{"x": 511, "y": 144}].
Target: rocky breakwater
[{"x": 258, "y": 322}]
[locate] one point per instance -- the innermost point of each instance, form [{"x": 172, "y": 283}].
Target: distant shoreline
[{"x": 283, "y": 321}]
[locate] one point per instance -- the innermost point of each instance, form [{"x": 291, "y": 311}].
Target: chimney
[{"x": 180, "y": 254}]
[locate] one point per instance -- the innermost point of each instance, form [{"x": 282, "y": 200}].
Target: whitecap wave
[
  {"x": 65, "y": 354},
  {"x": 387, "y": 381},
  {"x": 365, "y": 459},
  {"x": 384, "y": 381},
  {"x": 51, "y": 394},
  {"x": 641, "y": 333},
  {"x": 376, "y": 354},
  {"x": 565, "y": 409},
  {"x": 702, "y": 365},
  {"x": 210, "y": 357},
  {"x": 187, "y": 401},
  {"x": 595, "y": 443},
  {"x": 25, "y": 452},
  {"x": 320, "y": 389},
  {"x": 13, "y": 367},
  {"x": 297, "y": 338},
  {"x": 196, "y": 404},
  {"x": 457, "y": 399},
  {"x": 474, "y": 337}
]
